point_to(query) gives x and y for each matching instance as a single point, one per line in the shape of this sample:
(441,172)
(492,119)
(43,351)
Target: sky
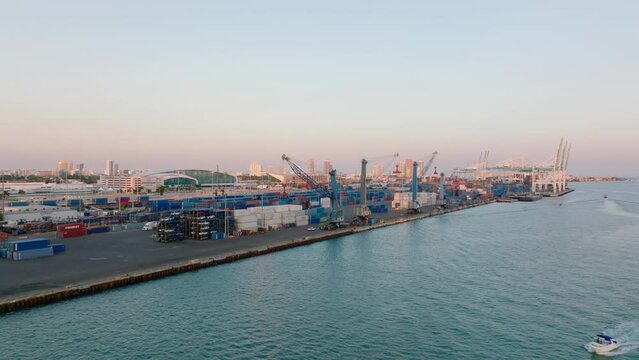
(199,84)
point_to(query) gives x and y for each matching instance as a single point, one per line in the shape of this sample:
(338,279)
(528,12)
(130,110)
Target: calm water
(505,281)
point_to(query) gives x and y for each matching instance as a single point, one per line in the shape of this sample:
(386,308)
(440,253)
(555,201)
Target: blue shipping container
(30,244)
(100,201)
(17,203)
(98,229)
(58,248)
(50,202)
(32,254)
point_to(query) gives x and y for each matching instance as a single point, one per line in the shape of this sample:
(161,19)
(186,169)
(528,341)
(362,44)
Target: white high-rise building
(327,167)
(310,167)
(378,170)
(108,170)
(255,169)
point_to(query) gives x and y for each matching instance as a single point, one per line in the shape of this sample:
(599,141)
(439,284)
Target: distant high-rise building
(378,170)
(408,168)
(108,170)
(271,169)
(64,167)
(255,169)
(80,169)
(282,169)
(310,166)
(327,167)
(116,169)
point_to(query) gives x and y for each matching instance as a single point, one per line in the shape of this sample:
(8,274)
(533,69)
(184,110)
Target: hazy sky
(177,84)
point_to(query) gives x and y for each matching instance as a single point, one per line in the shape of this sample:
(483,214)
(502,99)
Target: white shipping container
(247,226)
(325,202)
(265,223)
(245,219)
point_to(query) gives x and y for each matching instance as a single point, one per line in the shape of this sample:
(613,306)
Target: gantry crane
(337,215)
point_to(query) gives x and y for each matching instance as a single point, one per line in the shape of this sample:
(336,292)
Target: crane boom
(307,178)
(337,215)
(428,164)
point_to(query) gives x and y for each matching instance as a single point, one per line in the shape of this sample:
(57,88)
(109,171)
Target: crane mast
(363,211)
(414,204)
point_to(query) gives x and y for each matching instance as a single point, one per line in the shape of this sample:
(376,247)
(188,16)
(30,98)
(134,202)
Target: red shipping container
(71,233)
(71,227)
(3,236)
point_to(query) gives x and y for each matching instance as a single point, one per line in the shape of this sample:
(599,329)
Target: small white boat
(312,228)
(603,344)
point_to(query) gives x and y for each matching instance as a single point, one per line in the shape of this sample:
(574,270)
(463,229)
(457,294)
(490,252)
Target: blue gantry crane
(337,215)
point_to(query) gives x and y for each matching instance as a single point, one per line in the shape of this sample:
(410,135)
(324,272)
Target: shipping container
(17,203)
(74,202)
(100,201)
(50,202)
(98,229)
(65,234)
(67,227)
(32,254)
(29,244)
(58,248)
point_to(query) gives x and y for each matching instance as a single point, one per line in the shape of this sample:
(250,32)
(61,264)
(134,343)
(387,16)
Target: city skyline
(164,86)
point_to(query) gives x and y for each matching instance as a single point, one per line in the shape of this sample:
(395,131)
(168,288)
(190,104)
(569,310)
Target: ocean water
(503,281)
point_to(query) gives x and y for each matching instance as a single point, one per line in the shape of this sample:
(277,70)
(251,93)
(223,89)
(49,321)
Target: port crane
(428,164)
(363,212)
(337,215)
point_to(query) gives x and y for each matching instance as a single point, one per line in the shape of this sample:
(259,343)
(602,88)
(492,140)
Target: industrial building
(187,177)
(123,183)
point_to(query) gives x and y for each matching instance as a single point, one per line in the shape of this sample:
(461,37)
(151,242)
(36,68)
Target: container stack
(31,249)
(170,229)
(197,225)
(245,222)
(402,200)
(267,218)
(71,230)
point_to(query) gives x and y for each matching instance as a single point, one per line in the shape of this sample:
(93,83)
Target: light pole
(2,173)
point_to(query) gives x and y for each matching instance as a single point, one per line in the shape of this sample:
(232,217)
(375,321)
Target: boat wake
(612,207)
(627,334)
